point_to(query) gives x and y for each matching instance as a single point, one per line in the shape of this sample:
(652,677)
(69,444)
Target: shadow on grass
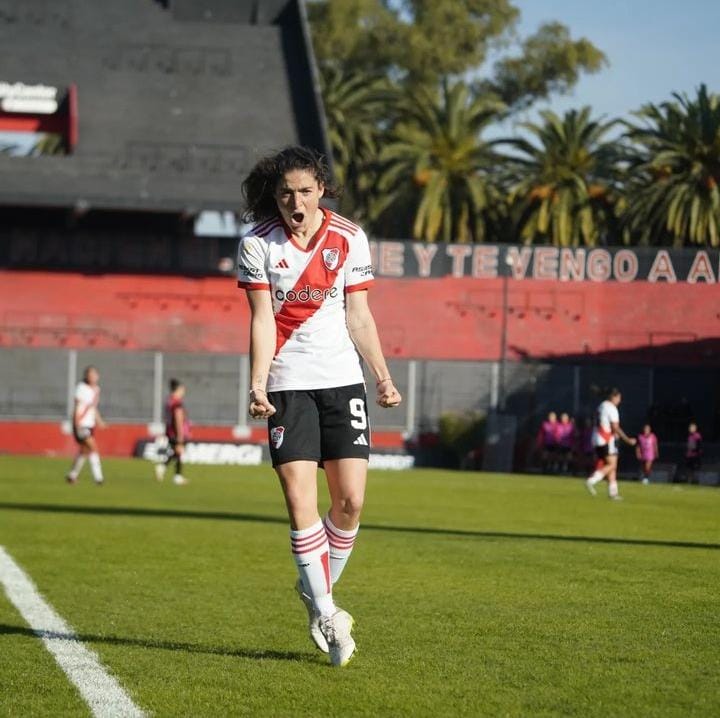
(258,655)
(259,518)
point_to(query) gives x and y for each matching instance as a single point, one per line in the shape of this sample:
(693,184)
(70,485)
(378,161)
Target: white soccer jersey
(308,286)
(87,398)
(607,415)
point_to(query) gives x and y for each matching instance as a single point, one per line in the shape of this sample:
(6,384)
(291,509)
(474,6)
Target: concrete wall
(37,386)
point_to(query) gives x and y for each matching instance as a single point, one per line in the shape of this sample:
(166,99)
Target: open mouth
(298,217)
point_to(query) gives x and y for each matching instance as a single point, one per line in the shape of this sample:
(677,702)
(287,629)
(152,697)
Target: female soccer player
(547,443)
(605,435)
(647,452)
(306,270)
(177,431)
(86,416)
(693,452)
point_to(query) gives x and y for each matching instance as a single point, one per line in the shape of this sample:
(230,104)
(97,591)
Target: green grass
(474,595)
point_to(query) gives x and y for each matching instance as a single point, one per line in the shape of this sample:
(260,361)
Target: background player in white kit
(606,432)
(85,418)
(306,271)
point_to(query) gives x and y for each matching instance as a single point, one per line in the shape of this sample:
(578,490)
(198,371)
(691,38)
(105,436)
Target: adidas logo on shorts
(361,441)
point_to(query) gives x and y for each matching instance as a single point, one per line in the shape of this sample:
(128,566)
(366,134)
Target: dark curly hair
(259,186)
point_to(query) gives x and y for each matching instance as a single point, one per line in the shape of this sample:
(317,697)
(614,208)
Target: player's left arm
(617,430)
(99,419)
(363,332)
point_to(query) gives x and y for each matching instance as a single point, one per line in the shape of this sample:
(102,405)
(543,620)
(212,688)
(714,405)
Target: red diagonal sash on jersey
(317,276)
(90,405)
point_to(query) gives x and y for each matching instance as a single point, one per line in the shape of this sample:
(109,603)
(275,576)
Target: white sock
(311,553)
(77,466)
(612,489)
(341,545)
(596,478)
(95,467)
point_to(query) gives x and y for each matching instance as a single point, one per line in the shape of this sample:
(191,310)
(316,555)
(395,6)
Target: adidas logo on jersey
(282,264)
(361,441)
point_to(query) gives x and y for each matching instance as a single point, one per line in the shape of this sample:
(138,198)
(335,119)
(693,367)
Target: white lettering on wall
(424,253)
(458,252)
(599,265)
(662,268)
(701,269)
(545,263)
(519,260)
(485,262)
(625,265)
(392,259)
(572,264)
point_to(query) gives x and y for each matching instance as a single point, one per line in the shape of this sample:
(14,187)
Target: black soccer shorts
(603,452)
(81,433)
(319,425)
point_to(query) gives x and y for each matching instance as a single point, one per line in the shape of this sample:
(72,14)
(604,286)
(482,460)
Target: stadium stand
(171,100)
(162,108)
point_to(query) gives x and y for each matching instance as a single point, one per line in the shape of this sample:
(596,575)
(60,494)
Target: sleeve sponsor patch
(247,272)
(365,270)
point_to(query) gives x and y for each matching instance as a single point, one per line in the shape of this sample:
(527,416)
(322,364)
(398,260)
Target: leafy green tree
(550,62)
(673,194)
(428,41)
(420,47)
(436,161)
(419,40)
(562,180)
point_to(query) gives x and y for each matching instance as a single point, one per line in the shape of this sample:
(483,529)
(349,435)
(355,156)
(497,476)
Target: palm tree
(562,187)
(675,171)
(354,104)
(437,165)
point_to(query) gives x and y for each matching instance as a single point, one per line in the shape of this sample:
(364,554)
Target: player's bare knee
(351,506)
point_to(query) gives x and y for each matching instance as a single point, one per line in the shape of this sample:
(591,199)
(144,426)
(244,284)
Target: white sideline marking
(103,694)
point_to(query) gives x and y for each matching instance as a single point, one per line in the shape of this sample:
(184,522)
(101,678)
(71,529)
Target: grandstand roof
(172,102)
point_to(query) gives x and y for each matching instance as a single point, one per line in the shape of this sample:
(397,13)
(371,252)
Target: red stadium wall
(420,318)
(47,438)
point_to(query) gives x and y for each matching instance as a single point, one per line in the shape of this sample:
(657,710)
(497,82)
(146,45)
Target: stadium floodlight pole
(506,272)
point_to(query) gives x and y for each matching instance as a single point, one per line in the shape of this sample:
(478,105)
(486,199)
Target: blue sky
(654,48)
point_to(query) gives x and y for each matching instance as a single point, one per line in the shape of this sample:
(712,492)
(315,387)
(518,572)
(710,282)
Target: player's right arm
(262,349)
(252,277)
(77,410)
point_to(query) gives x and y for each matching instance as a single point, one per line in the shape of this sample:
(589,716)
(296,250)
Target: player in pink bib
(647,452)
(565,435)
(693,452)
(547,443)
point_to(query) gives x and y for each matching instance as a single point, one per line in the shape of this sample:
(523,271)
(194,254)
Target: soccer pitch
(473,594)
